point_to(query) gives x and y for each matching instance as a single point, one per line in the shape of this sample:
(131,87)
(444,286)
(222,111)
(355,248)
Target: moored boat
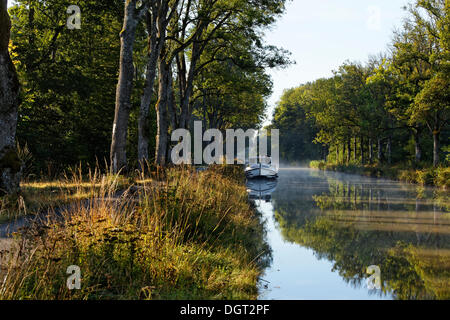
(261,167)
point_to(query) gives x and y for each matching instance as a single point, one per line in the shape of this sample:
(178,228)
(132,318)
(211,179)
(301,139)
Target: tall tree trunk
(363,160)
(344,151)
(370,151)
(380,150)
(172,112)
(162,136)
(349,150)
(355,144)
(144,114)
(337,153)
(389,150)
(124,86)
(171,107)
(157,23)
(418,150)
(10,164)
(436,147)
(185,110)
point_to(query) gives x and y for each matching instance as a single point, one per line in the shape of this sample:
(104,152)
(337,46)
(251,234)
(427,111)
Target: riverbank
(38,197)
(438,177)
(177,235)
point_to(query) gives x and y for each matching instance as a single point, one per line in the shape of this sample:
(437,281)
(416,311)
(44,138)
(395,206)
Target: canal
(325,229)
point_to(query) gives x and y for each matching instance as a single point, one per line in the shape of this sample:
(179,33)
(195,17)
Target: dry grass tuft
(177,235)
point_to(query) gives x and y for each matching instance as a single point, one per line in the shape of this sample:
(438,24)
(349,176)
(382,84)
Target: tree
(192,28)
(426,47)
(297,131)
(432,105)
(198,26)
(158,18)
(232,85)
(181,34)
(134,12)
(68,80)
(10,165)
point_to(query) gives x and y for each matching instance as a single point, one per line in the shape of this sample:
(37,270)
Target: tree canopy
(189,60)
(396,103)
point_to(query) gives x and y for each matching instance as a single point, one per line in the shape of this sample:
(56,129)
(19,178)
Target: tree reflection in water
(357,222)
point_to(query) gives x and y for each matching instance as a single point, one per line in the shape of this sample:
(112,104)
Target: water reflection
(351,222)
(261,188)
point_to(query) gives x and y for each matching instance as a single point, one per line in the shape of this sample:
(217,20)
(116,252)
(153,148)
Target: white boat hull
(261,172)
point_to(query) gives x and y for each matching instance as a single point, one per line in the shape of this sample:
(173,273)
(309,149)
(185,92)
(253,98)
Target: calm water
(325,229)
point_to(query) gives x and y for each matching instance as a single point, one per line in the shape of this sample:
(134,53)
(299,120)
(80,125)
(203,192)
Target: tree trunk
(171,107)
(355,144)
(370,151)
(10,164)
(344,152)
(124,88)
(172,112)
(349,151)
(389,150)
(156,27)
(363,160)
(162,138)
(380,150)
(144,114)
(337,154)
(436,147)
(418,151)
(185,112)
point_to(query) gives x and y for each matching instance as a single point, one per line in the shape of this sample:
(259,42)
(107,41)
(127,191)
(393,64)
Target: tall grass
(178,234)
(37,197)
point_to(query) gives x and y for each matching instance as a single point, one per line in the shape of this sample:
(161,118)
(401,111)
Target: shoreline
(430,177)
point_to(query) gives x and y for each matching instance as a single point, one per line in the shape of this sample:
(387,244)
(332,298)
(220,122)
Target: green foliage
(232,84)
(409,176)
(69,77)
(320,165)
(297,131)
(68,80)
(386,105)
(426,177)
(443,177)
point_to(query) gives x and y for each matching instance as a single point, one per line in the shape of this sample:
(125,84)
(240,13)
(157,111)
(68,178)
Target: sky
(322,34)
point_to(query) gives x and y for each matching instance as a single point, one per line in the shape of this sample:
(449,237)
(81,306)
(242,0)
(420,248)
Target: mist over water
(326,229)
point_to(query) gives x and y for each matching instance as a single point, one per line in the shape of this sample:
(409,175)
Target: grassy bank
(439,177)
(43,195)
(176,235)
